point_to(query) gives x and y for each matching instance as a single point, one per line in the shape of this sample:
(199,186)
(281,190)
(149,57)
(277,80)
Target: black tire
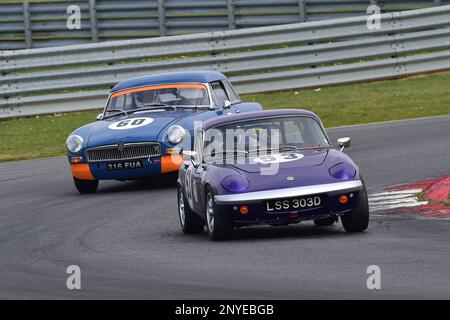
(358,219)
(221,227)
(86,186)
(326,222)
(191,223)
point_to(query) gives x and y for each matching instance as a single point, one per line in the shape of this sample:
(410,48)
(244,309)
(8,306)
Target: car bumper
(229,205)
(150,167)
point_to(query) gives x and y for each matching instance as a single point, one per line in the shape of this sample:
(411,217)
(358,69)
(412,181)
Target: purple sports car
(268,167)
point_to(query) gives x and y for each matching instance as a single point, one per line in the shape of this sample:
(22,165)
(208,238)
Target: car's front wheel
(219,227)
(86,186)
(189,221)
(358,219)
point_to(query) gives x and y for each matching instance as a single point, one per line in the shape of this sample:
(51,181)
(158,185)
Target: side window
(219,93)
(234,98)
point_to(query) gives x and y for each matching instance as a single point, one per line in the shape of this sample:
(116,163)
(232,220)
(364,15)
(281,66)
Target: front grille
(127,151)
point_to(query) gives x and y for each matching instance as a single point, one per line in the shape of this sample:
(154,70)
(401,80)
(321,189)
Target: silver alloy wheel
(181,211)
(210,212)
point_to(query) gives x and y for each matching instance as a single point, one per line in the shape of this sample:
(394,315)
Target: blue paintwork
(167,78)
(312,169)
(98,133)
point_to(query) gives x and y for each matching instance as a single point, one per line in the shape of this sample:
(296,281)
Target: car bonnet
(137,127)
(286,160)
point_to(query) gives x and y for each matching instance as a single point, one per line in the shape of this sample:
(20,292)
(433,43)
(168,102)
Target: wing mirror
(227,104)
(99,116)
(344,142)
(190,156)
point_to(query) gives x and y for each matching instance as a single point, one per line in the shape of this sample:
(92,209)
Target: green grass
(421,197)
(429,95)
(38,137)
(413,97)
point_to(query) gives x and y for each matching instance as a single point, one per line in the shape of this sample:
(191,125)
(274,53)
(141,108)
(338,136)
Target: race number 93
(279,158)
(130,123)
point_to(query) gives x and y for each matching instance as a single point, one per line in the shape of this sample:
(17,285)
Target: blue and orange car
(146,123)
(268,167)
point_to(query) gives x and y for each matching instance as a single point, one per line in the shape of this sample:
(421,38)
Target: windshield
(186,95)
(269,135)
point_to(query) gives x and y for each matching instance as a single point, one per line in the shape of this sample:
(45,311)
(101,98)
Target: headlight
(343,171)
(74,143)
(235,183)
(175,134)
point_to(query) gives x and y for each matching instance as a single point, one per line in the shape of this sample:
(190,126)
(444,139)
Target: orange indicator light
(76,159)
(343,199)
(244,210)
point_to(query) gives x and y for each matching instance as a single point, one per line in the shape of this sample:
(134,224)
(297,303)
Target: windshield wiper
(227,153)
(155,105)
(287,147)
(281,148)
(314,148)
(152,106)
(116,112)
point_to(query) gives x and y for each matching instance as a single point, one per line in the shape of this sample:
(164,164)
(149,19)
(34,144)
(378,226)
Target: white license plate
(124,165)
(294,204)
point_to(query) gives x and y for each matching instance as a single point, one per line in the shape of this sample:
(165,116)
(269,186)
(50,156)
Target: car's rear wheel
(358,219)
(190,222)
(219,227)
(326,222)
(86,186)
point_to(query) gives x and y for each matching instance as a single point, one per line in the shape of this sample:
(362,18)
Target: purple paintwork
(311,172)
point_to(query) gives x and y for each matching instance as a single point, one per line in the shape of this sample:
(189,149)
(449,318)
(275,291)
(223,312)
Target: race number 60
(130,123)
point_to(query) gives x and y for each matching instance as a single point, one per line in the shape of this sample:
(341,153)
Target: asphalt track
(127,242)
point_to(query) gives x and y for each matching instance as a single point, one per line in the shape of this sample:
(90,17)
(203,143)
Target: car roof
(166,78)
(217,121)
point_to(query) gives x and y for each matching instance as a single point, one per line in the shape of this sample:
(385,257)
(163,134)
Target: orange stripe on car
(171,163)
(81,171)
(162,86)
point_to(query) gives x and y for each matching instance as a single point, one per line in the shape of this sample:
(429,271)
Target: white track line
(387,193)
(395,199)
(398,201)
(394,206)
